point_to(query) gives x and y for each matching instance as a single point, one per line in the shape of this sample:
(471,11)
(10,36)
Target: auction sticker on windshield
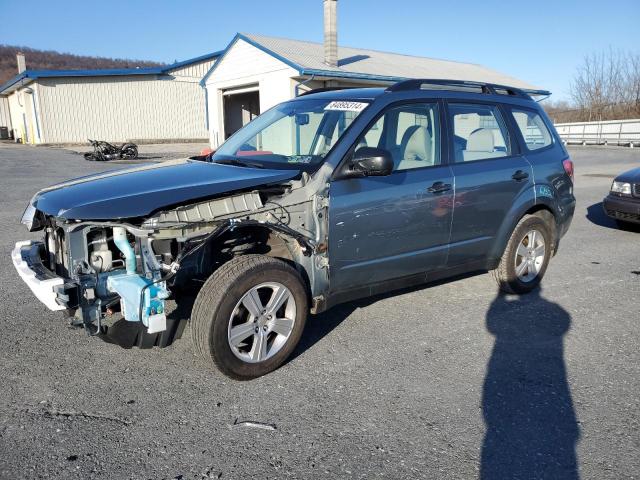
(346,106)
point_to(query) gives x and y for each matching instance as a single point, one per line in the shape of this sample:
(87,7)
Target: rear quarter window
(534,131)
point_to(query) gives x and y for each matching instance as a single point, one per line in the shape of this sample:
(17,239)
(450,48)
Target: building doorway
(240,107)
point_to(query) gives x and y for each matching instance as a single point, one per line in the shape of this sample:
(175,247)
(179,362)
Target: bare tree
(606,87)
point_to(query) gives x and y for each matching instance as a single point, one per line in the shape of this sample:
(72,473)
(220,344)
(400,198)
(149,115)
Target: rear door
(383,228)
(490,173)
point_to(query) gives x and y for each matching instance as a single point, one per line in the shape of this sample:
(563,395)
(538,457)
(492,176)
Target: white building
(143,104)
(208,97)
(5,118)
(257,72)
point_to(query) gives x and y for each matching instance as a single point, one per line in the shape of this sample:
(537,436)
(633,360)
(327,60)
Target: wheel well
(256,240)
(546,214)
(539,210)
(253,239)
(245,240)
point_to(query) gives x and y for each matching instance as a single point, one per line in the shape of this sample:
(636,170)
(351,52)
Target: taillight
(568,167)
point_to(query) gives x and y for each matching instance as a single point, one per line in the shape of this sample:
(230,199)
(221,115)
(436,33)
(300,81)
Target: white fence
(610,132)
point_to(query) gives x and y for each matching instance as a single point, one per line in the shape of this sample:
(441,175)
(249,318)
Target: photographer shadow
(531,425)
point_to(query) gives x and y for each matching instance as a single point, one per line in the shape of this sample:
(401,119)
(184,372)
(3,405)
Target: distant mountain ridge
(52,60)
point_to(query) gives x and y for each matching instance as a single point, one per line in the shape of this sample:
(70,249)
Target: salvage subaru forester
(332,196)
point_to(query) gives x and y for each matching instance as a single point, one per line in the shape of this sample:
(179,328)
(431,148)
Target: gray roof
(376,65)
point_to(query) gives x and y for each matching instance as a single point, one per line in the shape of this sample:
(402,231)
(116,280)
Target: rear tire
(525,260)
(264,340)
(129,151)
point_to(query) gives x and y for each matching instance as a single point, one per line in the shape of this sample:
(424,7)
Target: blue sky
(541,42)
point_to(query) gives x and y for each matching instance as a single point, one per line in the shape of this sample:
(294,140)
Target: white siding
(243,65)
(193,72)
(25,113)
(5,116)
(16,110)
(120,109)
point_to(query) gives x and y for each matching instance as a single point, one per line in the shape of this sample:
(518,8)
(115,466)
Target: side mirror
(371,162)
(302,118)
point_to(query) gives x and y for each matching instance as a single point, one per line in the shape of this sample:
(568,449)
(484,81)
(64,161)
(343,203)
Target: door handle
(520,175)
(439,187)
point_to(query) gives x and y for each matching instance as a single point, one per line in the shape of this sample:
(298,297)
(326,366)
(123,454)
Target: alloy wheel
(530,256)
(261,322)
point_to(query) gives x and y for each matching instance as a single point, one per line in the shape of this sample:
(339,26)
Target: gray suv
(330,197)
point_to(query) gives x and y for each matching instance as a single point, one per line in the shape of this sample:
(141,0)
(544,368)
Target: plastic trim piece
(26,260)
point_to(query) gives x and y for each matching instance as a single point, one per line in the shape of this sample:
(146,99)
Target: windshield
(293,134)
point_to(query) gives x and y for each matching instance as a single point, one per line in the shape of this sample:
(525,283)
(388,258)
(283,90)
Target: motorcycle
(103,151)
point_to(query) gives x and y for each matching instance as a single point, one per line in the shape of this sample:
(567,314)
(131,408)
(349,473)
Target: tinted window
(534,131)
(295,133)
(479,132)
(411,133)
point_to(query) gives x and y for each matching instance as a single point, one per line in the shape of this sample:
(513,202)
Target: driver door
(384,228)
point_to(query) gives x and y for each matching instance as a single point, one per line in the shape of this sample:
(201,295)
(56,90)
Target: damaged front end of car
(92,269)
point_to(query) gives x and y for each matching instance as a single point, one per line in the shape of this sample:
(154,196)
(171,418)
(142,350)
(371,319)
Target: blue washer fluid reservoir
(129,286)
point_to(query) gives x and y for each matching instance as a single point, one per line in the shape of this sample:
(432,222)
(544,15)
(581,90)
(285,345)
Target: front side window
(479,132)
(291,135)
(411,133)
(534,131)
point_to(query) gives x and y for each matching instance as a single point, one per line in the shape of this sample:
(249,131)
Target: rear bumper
(566,216)
(622,208)
(45,285)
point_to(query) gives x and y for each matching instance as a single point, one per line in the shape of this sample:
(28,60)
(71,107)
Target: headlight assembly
(32,218)
(621,187)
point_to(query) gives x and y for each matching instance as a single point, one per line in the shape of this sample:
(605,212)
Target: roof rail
(489,88)
(323,89)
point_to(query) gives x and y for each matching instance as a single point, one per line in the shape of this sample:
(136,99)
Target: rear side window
(479,132)
(534,131)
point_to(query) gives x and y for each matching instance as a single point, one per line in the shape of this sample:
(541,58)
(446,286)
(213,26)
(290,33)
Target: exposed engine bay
(133,266)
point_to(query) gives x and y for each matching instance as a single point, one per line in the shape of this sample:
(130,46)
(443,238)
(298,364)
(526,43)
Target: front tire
(249,316)
(525,260)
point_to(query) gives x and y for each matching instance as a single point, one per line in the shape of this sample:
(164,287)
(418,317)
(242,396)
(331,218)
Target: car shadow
(133,334)
(596,215)
(531,425)
(320,325)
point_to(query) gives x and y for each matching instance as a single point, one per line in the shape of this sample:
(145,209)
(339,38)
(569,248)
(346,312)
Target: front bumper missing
(45,285)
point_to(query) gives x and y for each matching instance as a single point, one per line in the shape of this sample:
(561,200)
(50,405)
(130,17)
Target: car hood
(139,191)
(630,176)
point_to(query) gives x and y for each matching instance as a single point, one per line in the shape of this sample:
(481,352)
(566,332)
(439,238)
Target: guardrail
(609,132)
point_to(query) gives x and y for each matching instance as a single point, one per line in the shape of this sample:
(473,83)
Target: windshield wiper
(238,163)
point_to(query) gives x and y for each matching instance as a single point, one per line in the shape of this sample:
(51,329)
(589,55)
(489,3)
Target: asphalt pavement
(449,381)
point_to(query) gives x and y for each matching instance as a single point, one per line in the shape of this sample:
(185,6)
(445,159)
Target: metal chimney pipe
(22,63)
(331,32)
